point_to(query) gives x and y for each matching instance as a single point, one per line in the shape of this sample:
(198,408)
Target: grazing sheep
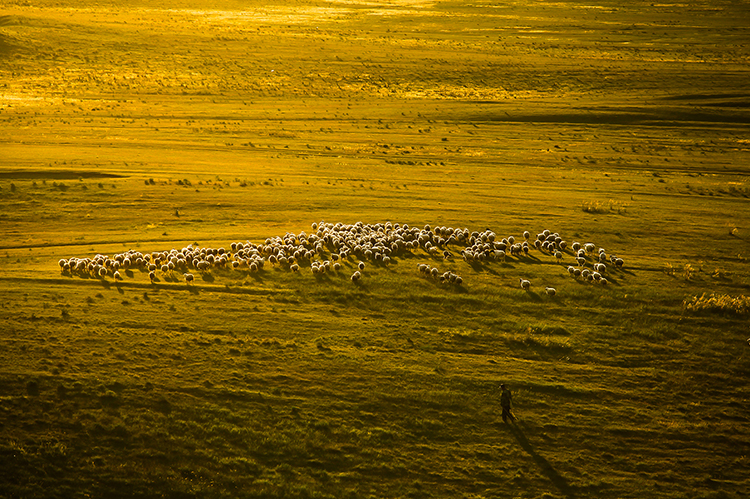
(525,284)
(581,261)
(558,256)
(117,275)
(550,291)
(361,265)
(189,278)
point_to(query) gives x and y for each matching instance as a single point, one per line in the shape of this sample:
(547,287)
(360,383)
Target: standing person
(505,402)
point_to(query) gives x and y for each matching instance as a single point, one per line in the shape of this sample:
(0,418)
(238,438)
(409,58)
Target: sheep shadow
(534,295)
(256,276)
(207,277)
(546,468)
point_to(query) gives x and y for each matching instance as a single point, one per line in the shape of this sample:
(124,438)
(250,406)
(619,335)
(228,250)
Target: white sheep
(525,284)
(189,278)
(550,291)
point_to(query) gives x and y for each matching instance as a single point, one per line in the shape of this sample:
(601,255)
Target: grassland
(151,128)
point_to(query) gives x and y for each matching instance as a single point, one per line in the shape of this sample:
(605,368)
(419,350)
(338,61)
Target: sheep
(361,265)
(558,256)
(525,284)
(526,235)
(294,267)
(581,261)
(600,267)
(356,276)
(189,278)
(550,291)
(117,275)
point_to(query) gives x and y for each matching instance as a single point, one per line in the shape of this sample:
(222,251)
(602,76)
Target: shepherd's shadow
(547,469)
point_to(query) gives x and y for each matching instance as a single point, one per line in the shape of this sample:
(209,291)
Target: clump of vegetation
(737,305)
(601,207)
(689,271)
(668,269)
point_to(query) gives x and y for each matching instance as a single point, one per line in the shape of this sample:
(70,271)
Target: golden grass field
(150,126)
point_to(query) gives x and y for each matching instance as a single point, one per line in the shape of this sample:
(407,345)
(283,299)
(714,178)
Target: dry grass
(722,303)
(150,127)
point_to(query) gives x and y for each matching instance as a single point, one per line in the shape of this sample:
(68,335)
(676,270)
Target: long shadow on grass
(550,472)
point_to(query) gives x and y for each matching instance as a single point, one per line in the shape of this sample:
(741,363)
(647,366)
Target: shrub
(737,305)
(600,207)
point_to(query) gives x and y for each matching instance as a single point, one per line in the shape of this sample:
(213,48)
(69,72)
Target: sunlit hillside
(292,249)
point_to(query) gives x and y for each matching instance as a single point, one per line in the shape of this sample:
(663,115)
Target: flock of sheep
(329,246)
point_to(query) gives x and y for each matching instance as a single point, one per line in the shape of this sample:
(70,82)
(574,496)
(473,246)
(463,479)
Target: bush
(737,305)
(601,207)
